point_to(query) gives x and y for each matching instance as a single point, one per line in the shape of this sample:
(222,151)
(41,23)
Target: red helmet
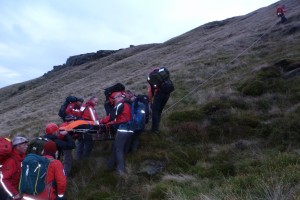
(113,95)
(51,128)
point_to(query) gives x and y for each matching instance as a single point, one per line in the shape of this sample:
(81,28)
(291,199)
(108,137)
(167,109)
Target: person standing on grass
(55,180)
(119,118)
(159,89)
(64,144)
(85,142)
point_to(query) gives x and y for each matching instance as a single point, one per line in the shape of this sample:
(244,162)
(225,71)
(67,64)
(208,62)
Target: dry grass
(214,138)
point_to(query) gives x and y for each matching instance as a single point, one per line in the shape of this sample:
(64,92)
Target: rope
(213,75)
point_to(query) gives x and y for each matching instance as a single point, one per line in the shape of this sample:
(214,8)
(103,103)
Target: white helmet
(18,140)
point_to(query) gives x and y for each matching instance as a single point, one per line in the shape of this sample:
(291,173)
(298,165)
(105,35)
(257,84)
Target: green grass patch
(267,79)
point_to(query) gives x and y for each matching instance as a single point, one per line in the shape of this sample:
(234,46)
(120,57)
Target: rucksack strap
(52,183)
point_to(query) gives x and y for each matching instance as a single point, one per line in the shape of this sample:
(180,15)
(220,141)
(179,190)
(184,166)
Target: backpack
(5,149)
(160,77)
(119,87)
(34,171)
(138,118)
(63,107)
(167,86)
(36,146)
(145,100)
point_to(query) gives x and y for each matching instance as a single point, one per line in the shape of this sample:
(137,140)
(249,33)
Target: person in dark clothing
(67,153)
(52,133)
(119,117)
(157,102)
(159,89)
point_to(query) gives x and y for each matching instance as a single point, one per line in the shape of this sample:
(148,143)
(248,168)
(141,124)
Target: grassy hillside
(229,131)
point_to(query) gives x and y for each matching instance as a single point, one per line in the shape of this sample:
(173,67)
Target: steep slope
(218,52)
(231,130)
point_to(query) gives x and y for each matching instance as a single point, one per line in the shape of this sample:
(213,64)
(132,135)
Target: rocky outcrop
(83,58)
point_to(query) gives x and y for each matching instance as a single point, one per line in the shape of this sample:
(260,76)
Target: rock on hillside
(207,59)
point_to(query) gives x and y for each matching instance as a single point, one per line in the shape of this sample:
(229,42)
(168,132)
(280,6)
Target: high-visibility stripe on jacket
(11,172)
(121,113)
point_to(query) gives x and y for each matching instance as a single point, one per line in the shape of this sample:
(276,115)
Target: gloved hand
(17,197)
(63,132)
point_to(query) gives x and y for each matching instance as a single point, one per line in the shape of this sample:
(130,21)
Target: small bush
(294,89)
(189,133)
(268,72)
(159,191)
(263,105)
(215,170)
(252,88)
(181,159)
(266,80)
(186,116)
(229,127)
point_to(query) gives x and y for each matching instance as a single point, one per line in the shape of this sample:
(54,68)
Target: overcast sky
(36,35)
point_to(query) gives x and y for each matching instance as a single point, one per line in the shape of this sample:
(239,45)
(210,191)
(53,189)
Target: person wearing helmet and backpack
(11,169)
(55,173)
(63,141)
(55,179)
(119,118)
(159,89)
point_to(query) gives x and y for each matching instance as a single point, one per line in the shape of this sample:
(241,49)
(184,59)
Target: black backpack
(119,87)
(160,77)
(63,107)
(36,145)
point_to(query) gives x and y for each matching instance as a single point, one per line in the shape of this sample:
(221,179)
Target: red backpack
(5,149)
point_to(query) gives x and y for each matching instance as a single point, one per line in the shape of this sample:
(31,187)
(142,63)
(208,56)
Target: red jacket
(121,113)
(73,109)
(89,112)
(11,172)
(55,173)
(280,11)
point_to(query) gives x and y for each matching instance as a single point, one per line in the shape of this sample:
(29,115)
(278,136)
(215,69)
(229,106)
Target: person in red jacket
(11,169)
(55,174)
(119,118)
(280,13)
(89,111)
(74,108)
(85,142)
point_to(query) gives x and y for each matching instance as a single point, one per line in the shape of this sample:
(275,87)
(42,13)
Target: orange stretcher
(86,127)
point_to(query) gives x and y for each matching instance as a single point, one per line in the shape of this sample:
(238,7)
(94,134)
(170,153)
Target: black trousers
(159,102)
